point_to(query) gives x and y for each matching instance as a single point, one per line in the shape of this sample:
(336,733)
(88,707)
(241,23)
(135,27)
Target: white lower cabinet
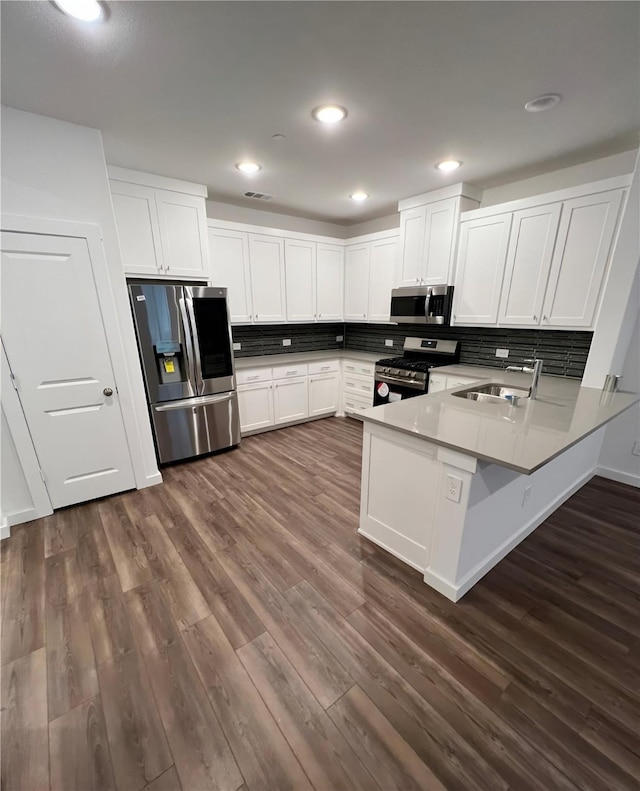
(255,402)
(324,394)
(290,400)
(439,382)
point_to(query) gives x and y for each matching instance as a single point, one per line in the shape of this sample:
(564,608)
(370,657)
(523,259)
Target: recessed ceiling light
(447,165)
(84,10)
(358,197)
(249,167)
(329,113)
(541,103)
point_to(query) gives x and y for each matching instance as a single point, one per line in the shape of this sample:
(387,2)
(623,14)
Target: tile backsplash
(564,352)
(267,338)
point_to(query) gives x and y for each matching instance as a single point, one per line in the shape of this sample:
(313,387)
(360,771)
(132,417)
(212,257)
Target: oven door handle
(410,383)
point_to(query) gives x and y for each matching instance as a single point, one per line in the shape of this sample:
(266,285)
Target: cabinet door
(136,215)
(183,231)
(481,262)
(291,400)
(382,270)
(410,269)
(256,406)
(330,282)
(585,237)
(229,255)
(266,262)
(533,235)
(324,394)
(440,227)
(300,278)
(356,282)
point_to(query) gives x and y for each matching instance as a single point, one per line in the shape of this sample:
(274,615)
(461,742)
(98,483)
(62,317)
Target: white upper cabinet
(266,263)
(584,242)
(183,232)
(329,282)
(356,282)
(300,278)
(382,269)
(138,231)
(412,224)
(429,234)
(441,227)
(162,225)
(533,234)
(229,266)
(559,245)
(481,263)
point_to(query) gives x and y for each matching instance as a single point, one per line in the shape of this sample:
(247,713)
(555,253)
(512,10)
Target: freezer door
(195,426)
(164,341)
(212,344)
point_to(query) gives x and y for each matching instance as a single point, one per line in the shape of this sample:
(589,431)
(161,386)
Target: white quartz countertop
(302,357)
(521,438)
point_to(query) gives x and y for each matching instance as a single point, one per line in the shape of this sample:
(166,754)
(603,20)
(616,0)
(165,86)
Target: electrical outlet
(526,495)
(237,347)
(504,353)
(286,341)
(388,342)
(636,448)
(339,338)
(454,488)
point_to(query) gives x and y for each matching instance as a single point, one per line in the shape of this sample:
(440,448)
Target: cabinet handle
(251,378)
(535,318)
(544,318)
(256,316)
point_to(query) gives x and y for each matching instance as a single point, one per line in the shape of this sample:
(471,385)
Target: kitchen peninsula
(451,485)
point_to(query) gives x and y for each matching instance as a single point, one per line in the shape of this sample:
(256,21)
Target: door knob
(108,391)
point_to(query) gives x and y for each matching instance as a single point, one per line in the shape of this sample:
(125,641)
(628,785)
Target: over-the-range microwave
(422,305)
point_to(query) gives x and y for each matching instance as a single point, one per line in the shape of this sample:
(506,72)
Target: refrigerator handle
(196,345)
(188,345)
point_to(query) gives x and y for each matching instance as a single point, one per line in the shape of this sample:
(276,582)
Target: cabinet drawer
(325,367)
(250,375)
(357,367)
(356,403)
(289,371)
(358,385)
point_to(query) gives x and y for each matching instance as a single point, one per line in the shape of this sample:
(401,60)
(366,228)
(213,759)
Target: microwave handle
(427,303)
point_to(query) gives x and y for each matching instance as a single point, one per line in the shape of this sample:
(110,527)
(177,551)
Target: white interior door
(56,347)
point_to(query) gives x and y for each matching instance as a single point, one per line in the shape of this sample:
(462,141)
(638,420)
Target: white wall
(14,490)
(607,167)
(54,170)
(616,459)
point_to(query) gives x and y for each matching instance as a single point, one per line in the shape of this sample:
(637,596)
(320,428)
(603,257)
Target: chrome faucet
(536,371)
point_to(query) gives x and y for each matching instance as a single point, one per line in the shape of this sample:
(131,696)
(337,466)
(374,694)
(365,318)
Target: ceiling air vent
(258,195)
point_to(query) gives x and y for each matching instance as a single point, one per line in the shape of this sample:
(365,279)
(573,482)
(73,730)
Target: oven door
(389,389)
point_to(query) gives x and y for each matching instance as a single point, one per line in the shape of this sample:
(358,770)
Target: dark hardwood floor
(230,630)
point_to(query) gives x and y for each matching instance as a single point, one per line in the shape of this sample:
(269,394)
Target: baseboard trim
(619,476)
(151,480)
(455,592)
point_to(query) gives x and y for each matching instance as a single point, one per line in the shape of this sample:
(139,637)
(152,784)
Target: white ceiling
(186,89)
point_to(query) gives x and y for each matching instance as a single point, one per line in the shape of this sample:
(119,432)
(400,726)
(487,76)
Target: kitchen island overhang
(451,487)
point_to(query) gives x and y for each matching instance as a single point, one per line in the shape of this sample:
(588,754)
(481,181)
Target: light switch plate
(504,353)
(636,448)
(339,338)
(388,342)
(286,341)
(237,347)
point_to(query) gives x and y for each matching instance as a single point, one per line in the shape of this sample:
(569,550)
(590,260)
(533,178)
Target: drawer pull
(251,378)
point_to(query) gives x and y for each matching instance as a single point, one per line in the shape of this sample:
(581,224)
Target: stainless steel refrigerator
(184,339)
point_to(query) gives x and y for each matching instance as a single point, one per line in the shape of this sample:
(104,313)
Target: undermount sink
(493,393)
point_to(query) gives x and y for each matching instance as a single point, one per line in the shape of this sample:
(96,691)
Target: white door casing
(57,349)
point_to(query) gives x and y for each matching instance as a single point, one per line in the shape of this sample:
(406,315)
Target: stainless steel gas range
(408,376)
